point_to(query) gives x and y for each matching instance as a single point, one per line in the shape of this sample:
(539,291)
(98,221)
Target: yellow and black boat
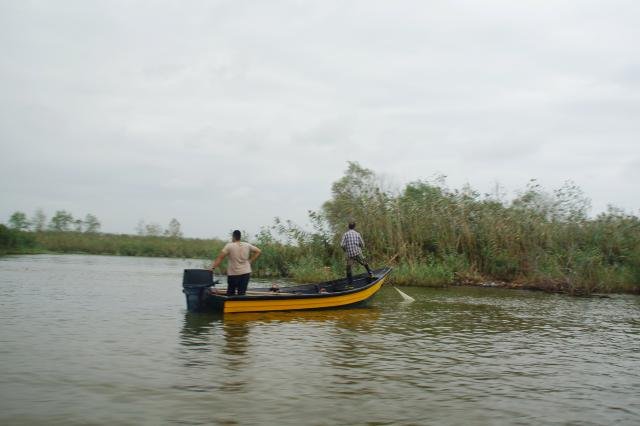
(199,288)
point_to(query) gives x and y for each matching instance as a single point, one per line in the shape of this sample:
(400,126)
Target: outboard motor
(194,283)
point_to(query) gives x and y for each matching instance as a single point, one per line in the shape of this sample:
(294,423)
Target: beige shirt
(238,253)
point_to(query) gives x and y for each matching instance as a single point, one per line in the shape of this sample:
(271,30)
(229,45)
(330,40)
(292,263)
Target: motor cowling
(194,284)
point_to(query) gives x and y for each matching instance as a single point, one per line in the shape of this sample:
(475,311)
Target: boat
(199,287)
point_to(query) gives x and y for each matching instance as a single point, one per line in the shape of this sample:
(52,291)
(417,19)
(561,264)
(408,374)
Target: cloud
(226,114)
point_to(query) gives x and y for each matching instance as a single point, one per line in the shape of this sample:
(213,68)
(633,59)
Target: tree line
(64,221)
(61,221)
(439,236)
(155,230)
(64,233)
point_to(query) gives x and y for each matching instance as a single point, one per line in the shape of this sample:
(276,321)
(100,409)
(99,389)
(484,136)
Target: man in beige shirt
(241,256)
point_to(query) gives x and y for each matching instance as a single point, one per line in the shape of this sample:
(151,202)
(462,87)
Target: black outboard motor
(194,283)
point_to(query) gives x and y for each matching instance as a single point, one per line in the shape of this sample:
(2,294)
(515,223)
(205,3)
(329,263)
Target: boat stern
(194,284)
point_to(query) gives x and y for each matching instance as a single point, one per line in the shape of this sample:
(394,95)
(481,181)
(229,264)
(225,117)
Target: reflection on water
(202,330)
(110,342)
(197,327)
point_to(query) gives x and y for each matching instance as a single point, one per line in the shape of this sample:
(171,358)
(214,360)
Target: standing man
(241,256)
(352,244)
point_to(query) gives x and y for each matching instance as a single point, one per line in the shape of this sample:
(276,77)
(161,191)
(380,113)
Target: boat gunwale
(278,296)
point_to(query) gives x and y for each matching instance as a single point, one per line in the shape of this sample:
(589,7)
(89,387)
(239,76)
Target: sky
(226,114)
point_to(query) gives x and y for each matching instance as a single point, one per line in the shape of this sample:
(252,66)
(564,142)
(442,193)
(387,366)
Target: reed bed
(442,237)
(437,237)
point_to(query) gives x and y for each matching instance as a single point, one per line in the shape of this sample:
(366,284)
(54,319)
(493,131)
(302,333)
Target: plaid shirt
(352,243)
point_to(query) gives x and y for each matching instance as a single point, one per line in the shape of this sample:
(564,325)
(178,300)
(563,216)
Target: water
(107,340)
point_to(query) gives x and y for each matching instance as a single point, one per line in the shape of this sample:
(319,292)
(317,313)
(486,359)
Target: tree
(77,225)
(39,220)
(92,224)
(61,221)
(19,222)
(534,199)
(350,196)
(570,204)
(140,227)
(153,230)
(173,231)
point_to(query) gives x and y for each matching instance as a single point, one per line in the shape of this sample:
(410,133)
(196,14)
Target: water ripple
(101,340)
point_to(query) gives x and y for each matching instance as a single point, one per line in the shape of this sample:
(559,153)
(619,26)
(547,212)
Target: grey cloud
(225,114)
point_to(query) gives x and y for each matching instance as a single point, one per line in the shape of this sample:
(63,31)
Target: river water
(107,340)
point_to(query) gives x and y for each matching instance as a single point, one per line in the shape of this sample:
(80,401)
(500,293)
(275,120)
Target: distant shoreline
(556,288)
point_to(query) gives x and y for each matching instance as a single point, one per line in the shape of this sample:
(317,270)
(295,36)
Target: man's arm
(361,242)
(218,261)
(256,254)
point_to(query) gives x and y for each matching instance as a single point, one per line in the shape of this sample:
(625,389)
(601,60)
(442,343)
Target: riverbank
(438,236)
(277,260)
(303,262)
(302,270)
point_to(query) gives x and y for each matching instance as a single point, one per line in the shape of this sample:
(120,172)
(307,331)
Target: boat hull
(365,289)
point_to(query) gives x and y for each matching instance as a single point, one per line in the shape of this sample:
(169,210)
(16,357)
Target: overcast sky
(224,114)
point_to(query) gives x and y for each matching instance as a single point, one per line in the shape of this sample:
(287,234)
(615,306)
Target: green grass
(126,245)
(423,274)
(310,269)
(17,242)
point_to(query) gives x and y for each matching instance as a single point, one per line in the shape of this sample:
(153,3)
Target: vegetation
(442,236)
(126,245)
(438,237)
(19,221)
(15,241)
(66,234)
(155,229)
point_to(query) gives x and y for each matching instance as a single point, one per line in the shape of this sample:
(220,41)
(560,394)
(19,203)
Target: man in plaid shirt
(352,244)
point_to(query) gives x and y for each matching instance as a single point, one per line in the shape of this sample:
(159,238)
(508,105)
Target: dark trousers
(237,284)
(351,260)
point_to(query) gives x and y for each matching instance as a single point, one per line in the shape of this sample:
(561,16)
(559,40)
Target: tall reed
(537,239)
